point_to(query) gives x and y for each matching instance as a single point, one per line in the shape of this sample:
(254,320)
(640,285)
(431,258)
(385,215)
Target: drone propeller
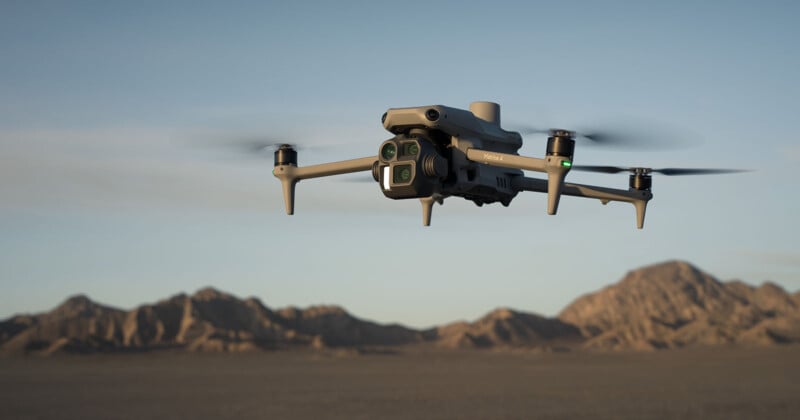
(697,171)
(602,138)
(636,138)
(663,171)
(255,145)
(260,147)
(242,145)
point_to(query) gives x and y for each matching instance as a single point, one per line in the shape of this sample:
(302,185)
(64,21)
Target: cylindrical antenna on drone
(487,111)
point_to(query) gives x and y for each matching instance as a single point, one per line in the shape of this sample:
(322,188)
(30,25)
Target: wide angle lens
(402,174)
(388,151)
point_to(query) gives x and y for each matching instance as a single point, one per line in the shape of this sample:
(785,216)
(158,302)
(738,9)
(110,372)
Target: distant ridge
(667,305)
(506,328)
(208,320)
(674,304)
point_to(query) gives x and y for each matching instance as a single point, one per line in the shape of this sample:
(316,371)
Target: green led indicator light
(566,164)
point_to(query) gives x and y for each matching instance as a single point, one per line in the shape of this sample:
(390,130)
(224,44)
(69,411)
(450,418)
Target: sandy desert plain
(702,383)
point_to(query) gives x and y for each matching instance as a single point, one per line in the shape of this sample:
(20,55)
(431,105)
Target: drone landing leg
(555,184)
(427,209)
(288,194)
(640,208)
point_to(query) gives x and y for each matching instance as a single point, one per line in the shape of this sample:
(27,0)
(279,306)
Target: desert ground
(721,382)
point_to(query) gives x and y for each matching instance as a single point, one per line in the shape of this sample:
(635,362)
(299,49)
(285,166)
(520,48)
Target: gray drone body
(439,152)
(442,167)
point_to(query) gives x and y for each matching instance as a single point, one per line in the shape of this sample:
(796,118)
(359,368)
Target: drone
(439,152)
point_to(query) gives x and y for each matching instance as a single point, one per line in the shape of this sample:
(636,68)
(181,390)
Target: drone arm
(290,174)
(506,160)
(638,198)
(556,168)
(334,168)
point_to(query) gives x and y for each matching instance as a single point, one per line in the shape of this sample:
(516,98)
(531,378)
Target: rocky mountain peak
(674,304)
(500,313)
(669,274)
(78,301)
(210,293)
(78,306)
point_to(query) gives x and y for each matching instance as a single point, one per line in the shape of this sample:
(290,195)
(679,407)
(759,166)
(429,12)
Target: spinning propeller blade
(697,171)
(601,169)
(627,137)
(663,171)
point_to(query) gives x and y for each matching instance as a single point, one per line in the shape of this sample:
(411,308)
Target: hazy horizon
(366,317)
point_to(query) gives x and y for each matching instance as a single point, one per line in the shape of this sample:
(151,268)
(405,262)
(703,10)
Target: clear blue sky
(102,191)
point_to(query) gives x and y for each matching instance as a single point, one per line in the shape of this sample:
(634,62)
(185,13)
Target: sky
(120,179)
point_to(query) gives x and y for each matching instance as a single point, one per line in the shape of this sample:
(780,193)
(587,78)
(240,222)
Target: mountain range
(667,305)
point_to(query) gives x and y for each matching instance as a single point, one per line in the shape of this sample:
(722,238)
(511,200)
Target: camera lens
(432,114)
(388,151)
(402,174)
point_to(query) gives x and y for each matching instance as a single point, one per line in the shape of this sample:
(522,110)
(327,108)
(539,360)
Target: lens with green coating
(412,149)
(388,151)
(402,174)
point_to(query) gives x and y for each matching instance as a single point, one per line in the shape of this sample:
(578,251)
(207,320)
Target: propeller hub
(561,143)
(640,181)
(285,155)
(559,132)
